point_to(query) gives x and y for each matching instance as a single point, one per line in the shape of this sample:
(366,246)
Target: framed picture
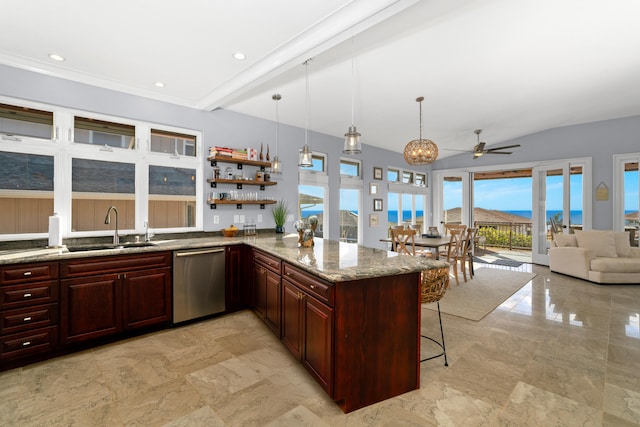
(377,173)
(373,188)
(377,204)
(374,220)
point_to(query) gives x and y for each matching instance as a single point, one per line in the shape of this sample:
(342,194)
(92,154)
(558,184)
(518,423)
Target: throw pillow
(565,240)
(623,245)
(601,242)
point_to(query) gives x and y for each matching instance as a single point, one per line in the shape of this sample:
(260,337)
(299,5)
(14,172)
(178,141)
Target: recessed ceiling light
(56,57)
(159,84)
(239,56)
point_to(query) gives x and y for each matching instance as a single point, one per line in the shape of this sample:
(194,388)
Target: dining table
(434,243)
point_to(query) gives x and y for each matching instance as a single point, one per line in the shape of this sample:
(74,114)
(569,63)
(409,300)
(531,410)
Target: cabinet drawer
(21,273)
(28,343)
(271,262)
(23,319)
(316,287)
(114,264)
(15,296)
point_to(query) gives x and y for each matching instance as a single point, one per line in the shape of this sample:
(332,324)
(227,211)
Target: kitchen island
(350,314)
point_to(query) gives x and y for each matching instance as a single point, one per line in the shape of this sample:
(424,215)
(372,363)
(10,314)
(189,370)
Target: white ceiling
(509,67)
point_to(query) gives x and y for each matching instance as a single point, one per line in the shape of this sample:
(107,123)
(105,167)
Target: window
(319,164)
(172,197)
(350,168)
(172,143)
(393,175)
(23,121)
(104,133)
(26,192)
(407,177)
(626,197)
(420,179)
(96,185)
(350,201)
(95,163)
(406,209)
(311,202)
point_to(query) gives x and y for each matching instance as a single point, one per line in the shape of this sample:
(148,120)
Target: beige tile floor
(560,352)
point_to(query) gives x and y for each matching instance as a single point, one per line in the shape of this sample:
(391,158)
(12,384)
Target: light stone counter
(331,260)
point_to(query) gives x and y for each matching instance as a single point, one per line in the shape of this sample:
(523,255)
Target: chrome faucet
(147,234)
(107,220)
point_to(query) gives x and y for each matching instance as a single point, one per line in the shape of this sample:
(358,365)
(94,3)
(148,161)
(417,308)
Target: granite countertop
(329,259)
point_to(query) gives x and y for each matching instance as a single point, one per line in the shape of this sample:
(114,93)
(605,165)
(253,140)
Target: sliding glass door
(561,203)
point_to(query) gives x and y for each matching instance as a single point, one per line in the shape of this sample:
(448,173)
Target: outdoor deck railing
(512,235)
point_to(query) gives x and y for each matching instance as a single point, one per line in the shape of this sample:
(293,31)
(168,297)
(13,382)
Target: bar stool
(434,285)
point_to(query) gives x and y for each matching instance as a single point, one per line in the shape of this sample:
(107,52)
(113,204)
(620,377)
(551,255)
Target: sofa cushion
(623,245)
(565,240)
(615,265)
(601,242)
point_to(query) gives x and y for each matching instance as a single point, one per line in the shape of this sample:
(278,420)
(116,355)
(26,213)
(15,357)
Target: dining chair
(468,250)
(403,242)
(455,250)
(448,228)
(434,284)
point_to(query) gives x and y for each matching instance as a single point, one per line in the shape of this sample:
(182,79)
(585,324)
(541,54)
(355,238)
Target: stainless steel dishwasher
(198,283)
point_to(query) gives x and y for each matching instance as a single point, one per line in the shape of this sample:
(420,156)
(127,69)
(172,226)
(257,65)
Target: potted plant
(280,212)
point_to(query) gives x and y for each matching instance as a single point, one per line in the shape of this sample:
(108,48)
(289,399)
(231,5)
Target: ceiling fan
(479,149)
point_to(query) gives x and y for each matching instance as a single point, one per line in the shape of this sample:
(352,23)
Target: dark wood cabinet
(307,323)
(28,310)
(91,307)
(266,289)
(134,292)
(238,294)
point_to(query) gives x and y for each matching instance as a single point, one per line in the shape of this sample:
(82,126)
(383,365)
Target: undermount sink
(101,247)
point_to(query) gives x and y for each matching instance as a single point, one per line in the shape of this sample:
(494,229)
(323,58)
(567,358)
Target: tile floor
(560,352)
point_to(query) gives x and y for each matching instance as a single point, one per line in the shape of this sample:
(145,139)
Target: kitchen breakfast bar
(350,314)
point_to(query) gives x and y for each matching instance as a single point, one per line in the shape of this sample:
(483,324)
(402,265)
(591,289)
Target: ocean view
(576,215)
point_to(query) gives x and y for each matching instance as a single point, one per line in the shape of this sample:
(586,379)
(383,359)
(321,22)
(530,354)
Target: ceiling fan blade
(504,147)
(479,147)
(497,152)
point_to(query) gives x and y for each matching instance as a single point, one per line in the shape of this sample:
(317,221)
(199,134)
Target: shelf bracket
(212,206)
(261,205)
(214,163)
(239,206)
(214,185)
(239,186)
(261,187)
(239,165)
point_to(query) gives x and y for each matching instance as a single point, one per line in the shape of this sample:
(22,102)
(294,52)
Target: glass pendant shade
(276,164)
(420,151)
(352,141)
(352,137)
(305,158)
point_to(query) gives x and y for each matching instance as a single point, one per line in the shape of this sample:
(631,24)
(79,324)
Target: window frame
(64,149)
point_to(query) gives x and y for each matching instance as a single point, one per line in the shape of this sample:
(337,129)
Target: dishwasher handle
(202,252)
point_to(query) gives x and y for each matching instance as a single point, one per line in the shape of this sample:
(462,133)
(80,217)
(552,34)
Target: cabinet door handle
(26,343)
(26,319)
(27,295)
(27,273)
(312,286)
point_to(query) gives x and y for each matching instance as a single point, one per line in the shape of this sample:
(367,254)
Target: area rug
(476,298)
(505,262)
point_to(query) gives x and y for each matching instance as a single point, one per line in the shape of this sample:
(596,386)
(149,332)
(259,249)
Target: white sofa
(597,256)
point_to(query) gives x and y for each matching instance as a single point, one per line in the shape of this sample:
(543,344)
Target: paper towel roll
(55,231)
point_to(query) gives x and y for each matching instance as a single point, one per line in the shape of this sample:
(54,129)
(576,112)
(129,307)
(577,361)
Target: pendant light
(305,158)
(352,137)
(420,151)
(276,165)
